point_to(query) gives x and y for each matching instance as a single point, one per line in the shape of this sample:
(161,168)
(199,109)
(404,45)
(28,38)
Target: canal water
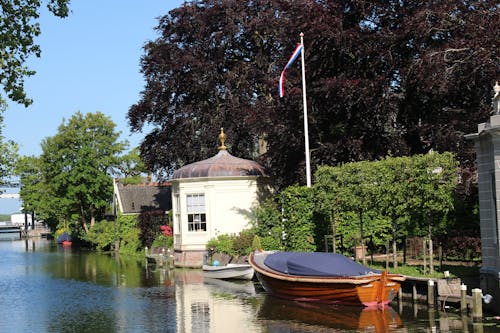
(48,288)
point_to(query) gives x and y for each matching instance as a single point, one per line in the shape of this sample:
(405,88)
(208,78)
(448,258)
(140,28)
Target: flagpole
(306,131)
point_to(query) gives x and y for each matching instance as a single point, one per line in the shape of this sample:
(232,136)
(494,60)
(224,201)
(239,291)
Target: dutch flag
(295,54)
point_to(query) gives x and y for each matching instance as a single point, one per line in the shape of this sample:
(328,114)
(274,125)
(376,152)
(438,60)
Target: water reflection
(312,317)
(209,305)
(47,288)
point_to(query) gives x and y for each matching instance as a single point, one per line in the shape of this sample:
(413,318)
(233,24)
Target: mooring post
(463,298)
(414,292)
(430,292)
(477,304)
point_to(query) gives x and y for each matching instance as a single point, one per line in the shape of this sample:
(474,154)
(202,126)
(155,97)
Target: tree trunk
(431,251)
(361,231)
(394,245)
(334,233)
(425,255)
(85,226)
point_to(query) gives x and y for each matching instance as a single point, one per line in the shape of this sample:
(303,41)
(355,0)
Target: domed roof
(221,165)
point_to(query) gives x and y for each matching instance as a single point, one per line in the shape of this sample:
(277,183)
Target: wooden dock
(442,292)
(160,257)
(10,232)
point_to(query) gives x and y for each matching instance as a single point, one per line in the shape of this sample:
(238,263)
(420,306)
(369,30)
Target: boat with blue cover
(323,277)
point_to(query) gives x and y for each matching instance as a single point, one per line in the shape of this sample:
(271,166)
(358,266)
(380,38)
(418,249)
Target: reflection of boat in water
(323,277)
(237,287)
(310,317)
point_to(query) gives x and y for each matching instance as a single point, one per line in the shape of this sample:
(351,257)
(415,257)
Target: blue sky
(90,62)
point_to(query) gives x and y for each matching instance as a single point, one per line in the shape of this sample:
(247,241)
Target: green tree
(122,234)
(131,164)
(435,177)
(18,29)
(393,175)
(300,230)
(351,187)
(71,182)
(8,156)
(268,224)
(36,194)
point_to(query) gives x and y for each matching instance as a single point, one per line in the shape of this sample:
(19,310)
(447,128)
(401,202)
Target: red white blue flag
(295,54)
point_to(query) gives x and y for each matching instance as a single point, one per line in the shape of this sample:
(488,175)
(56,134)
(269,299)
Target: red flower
(166,230)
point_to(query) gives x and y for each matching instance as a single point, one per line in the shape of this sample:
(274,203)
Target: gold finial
(222,138)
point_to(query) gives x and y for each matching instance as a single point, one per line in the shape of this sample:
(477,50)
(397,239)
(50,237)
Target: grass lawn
(460,270)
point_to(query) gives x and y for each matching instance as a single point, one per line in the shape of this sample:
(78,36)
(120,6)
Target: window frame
(196,212)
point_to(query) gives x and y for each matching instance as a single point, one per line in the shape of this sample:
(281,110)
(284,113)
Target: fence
(462,248)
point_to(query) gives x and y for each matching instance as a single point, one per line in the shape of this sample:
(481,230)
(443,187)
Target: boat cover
(316,264)
(64,237)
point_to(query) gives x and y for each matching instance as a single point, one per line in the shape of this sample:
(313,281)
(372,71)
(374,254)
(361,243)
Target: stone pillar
(487,144)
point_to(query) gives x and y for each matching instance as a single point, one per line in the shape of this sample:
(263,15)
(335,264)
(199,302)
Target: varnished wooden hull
(368,290)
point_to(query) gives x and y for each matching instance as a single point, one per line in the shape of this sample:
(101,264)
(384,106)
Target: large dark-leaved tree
(383,77)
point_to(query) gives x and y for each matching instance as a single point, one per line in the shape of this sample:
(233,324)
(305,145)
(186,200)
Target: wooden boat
(229,271)
(64,239)
(323,277)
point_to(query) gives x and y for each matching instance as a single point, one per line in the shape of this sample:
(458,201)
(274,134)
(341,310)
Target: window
(197,220)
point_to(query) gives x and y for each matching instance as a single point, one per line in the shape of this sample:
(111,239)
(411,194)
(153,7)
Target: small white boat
(229,271)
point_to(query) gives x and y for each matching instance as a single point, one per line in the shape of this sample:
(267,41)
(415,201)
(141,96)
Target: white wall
(228,204)
(18,219)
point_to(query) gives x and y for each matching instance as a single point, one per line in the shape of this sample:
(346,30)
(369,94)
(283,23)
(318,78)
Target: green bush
(129,242)
(222,244)
(297,204)
(101,235)
(268,225)
(271,243)
(242,243)
(163,241)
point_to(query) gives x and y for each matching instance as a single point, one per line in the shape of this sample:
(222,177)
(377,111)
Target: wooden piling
(414,292)
(463,298)
(430,292)
(477,304)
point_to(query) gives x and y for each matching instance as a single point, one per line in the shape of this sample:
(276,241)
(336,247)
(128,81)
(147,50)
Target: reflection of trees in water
(104,269)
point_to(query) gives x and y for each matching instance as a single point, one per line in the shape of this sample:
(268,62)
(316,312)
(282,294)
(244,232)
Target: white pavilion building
(212,197)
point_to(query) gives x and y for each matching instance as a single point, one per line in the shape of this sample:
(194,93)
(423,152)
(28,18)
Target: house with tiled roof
(144,196)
